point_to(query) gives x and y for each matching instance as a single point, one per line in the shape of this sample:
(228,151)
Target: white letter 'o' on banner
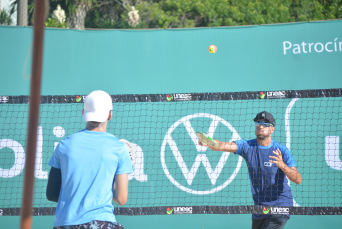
(19,158)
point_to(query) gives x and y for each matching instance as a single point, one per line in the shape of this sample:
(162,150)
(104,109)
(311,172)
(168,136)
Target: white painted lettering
(38,171)
(322,47)
(326,47)
(303,45)
(310,44)
(19,158)
(286,48)
(297,49)
(332,152)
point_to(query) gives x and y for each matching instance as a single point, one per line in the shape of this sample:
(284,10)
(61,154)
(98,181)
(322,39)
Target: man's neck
(264,142)
(101,128)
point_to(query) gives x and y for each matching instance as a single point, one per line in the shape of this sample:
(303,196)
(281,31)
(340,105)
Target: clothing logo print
(268,164)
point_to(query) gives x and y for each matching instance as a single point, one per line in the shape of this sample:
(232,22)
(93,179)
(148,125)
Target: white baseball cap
(97,106)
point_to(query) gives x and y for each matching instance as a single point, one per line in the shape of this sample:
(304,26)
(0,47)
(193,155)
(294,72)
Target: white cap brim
(95,117)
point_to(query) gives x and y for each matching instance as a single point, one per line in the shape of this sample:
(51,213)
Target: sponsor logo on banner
(169,97)
(276,210)
(266,210)
(182,97)
(280,211)
(169,211)
(78,98)
(182,210)
(201,158)
(4,99)
(262,95)
(276,94)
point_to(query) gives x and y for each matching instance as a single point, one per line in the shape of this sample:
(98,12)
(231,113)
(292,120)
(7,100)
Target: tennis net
(172,173)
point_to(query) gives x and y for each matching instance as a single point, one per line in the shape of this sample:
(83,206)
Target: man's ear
(273,128)
(110,116)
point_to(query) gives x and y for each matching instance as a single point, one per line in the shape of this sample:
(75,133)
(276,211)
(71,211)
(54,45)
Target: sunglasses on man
(264,124)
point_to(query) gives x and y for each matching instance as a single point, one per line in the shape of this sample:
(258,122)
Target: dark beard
(261,137)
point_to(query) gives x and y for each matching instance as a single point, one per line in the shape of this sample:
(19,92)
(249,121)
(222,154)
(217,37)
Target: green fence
(270,58)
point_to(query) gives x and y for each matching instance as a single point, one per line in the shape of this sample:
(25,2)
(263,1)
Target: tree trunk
(77,20)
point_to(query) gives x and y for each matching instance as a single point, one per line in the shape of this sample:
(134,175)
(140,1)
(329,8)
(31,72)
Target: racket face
(131,149)
(206,139)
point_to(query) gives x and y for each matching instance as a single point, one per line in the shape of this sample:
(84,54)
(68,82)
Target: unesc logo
(276,94)
(280,211)
(182,210)
(4,99)
(189,175)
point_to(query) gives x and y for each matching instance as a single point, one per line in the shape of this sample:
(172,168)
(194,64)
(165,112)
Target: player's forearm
(292,173)
(228,147)
(119,199)
(120,189)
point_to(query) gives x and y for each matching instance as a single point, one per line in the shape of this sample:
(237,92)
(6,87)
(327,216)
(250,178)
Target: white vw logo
(200,158)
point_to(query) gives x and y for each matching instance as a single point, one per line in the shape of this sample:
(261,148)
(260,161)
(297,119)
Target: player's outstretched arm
(223,146)
(120,189)
(54,184)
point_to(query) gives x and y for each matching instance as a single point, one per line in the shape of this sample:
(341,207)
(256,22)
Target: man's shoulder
(252,142)
(246,144)
(83,135)
(277,144)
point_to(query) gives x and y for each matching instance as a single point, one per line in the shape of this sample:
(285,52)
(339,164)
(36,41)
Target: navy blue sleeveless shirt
(269,184)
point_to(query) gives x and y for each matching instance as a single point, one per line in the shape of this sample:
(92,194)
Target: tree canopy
(120,14)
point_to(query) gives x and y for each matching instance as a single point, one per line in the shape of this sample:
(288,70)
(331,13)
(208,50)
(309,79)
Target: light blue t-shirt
(269,184)
(88,161)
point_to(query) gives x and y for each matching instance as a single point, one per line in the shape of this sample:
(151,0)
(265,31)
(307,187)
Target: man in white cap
(89,169)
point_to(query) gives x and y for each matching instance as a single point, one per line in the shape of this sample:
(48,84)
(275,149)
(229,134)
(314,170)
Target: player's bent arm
(120,189)
(54,184)
(292,173)
(223,146)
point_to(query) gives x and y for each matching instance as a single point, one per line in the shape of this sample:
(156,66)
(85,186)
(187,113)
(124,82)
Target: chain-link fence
(141,14)
(77,14)
(8,13)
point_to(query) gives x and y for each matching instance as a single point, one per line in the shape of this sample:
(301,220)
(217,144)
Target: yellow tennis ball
(212,48)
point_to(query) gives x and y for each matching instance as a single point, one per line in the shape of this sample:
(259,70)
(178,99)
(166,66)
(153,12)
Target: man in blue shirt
(89,169)
(270,165)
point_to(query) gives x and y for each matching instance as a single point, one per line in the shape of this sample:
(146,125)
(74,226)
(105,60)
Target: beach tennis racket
(207,140)
(131,149)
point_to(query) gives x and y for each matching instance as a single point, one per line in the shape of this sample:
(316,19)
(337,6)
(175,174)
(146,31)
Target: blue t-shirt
(269,184)
(88,161)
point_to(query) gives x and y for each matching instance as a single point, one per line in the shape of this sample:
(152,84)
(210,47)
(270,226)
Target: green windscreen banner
(293,56)
(166,86)
(173,174)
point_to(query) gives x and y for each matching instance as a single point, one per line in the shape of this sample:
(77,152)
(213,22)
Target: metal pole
(37,58)
(22,13)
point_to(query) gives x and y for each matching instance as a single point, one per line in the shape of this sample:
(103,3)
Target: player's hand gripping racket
(207,140)
(131,149)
